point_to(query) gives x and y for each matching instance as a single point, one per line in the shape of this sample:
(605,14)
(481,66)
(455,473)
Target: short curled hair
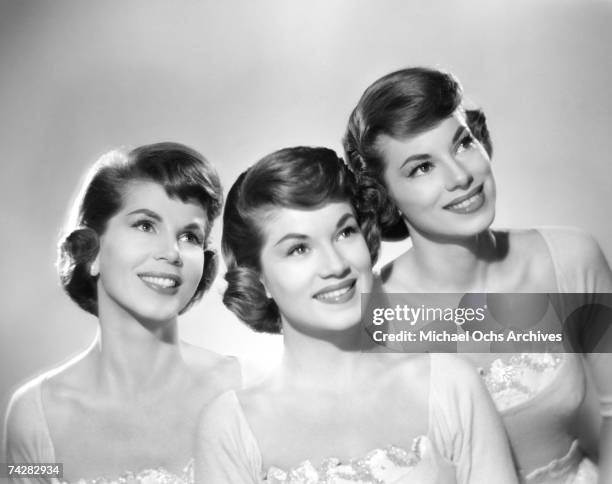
(183,173)
(402,104)
(302,178)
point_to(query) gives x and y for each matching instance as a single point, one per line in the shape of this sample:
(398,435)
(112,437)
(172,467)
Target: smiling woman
(424,161)
(160,244)
(299,250)
(318,280)
(135,255)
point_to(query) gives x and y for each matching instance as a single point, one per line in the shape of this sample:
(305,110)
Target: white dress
(29,441)
(463,427)
(539,395)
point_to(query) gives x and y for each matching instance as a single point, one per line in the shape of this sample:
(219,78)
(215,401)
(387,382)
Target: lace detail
(378,467)
(147,476)
(519,380)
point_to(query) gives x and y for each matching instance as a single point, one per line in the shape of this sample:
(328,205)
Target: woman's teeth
(465,203)
(335,294)
(471,202)
(160,281)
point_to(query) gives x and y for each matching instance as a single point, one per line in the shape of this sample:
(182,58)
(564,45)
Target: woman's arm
(601,364)
(594,278)
(225,449)
(27,438)
(598,331)
(475,439)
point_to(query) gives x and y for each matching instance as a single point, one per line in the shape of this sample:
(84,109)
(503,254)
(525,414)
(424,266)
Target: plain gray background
(237,79)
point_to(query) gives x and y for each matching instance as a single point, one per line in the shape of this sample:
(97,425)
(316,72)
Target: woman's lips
(467,203)
(161,282)
(338,293)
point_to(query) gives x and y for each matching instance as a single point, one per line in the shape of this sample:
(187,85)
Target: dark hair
(298,177)
(184,174)
(401,104)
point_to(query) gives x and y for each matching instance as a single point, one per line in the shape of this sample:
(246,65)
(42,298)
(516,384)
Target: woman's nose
(458,176)
(170,252)
(334,264)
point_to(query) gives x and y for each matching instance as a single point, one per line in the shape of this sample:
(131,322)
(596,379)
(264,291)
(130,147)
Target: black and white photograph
(202,200)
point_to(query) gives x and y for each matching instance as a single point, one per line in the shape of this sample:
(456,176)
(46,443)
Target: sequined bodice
(148,476)
(519,378)
(380,466)
(539,396)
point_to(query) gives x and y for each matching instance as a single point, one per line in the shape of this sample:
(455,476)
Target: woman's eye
(145,226)
(192,238)
(299,249)
(421,169)
(466,143)
(348,231)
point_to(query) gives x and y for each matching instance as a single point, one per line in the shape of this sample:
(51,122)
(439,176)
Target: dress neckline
(161,473)
(416,441)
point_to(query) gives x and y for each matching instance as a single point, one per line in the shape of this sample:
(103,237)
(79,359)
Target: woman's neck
(453,265)
(129,356)
(313,363)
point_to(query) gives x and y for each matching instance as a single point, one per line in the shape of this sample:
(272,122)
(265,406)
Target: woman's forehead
(276,221)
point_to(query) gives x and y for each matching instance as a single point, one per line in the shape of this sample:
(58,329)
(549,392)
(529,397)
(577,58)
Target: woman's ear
(211,265)
(94,266)
(262,279)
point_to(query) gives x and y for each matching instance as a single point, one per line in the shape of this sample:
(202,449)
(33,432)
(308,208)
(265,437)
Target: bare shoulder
(573,241)
(527,262)
(207,364)
(23,423)
(215,416)
(523,239)
(58,383)
(570,240)
(256,395)
(25,420)
(411,372)
(525,244)
(23,406)
(575,255)
(451,369)
(395,276)
(406,363)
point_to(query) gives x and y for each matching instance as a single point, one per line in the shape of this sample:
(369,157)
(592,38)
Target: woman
(135,256)
(299,256)
(423,161)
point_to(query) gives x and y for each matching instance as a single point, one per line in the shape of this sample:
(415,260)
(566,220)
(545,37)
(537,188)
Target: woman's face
(440,180)
(151,255)
(315,264)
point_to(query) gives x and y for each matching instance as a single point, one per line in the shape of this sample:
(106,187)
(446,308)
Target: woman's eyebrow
(194,226)
(342,220)
(458,134)
(146,211)
(291,236)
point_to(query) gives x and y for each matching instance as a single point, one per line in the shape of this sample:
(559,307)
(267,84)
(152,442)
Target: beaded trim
(147,476)
(364,470)
(507,379)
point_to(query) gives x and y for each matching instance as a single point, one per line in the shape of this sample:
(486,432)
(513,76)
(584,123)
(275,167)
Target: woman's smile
(162,283)
(338,293)
(468,203)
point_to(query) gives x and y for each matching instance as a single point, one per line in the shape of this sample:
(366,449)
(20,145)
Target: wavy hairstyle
(183,173)
(302,178)
(402,104)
